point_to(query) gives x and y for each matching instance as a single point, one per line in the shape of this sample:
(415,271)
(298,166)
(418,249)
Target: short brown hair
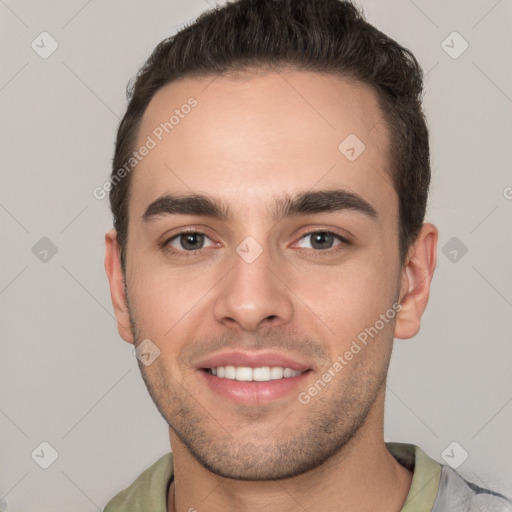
(329,36)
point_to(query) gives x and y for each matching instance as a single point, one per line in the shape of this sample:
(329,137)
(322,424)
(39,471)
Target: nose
(253,293)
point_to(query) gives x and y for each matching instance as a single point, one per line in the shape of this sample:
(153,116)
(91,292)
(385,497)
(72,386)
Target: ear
(417,274)
(116,282)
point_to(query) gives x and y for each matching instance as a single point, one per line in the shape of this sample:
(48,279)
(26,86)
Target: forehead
(251,137)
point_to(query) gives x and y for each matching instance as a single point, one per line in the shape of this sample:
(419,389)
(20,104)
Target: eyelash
(187,254)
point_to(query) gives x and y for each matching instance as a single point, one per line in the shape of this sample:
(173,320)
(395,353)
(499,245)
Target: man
(269,188)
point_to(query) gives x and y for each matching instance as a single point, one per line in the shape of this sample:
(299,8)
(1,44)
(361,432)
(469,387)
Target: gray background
(67,377)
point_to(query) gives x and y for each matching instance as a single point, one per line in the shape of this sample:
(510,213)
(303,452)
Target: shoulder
(458,494)
(148,491)
(436,487)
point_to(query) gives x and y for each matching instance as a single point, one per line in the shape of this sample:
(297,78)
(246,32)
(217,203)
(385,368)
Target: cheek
(166,300)
(347,299)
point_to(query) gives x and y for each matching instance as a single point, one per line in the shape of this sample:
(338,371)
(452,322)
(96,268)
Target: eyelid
(342,234)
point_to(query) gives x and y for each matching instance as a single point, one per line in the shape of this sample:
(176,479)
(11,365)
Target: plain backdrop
(67,379)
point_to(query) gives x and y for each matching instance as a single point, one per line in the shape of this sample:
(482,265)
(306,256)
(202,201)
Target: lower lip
(253,392)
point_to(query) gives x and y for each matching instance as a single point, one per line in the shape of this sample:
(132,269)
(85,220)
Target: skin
(249,139)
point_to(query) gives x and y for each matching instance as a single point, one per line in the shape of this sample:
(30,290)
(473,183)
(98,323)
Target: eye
(323,240)
(187,241)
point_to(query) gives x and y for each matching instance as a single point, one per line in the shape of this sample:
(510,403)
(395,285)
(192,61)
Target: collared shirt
(435,487)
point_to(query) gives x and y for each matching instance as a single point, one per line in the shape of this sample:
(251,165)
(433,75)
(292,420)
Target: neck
(362,476)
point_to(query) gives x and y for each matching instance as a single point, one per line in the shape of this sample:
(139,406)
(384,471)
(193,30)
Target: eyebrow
(304,203)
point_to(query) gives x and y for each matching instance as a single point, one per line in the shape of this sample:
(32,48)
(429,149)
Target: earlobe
(417,274)
(116,283)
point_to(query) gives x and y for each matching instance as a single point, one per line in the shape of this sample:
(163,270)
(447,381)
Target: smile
(248,374)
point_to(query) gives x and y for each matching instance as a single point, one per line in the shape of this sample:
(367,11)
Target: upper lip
(252,360)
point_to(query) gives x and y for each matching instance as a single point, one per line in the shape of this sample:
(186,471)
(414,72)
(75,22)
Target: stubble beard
(332,422)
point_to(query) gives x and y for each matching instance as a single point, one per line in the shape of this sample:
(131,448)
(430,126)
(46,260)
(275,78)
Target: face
(287,261)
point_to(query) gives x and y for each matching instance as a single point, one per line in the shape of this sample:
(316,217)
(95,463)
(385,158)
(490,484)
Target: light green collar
(149,490)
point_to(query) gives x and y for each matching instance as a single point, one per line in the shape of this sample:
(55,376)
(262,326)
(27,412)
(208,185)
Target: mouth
(254,378)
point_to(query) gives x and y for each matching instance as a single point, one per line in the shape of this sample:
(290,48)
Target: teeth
(230,372)
(243,373)
(276,373)
(288,372)
(261,374)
